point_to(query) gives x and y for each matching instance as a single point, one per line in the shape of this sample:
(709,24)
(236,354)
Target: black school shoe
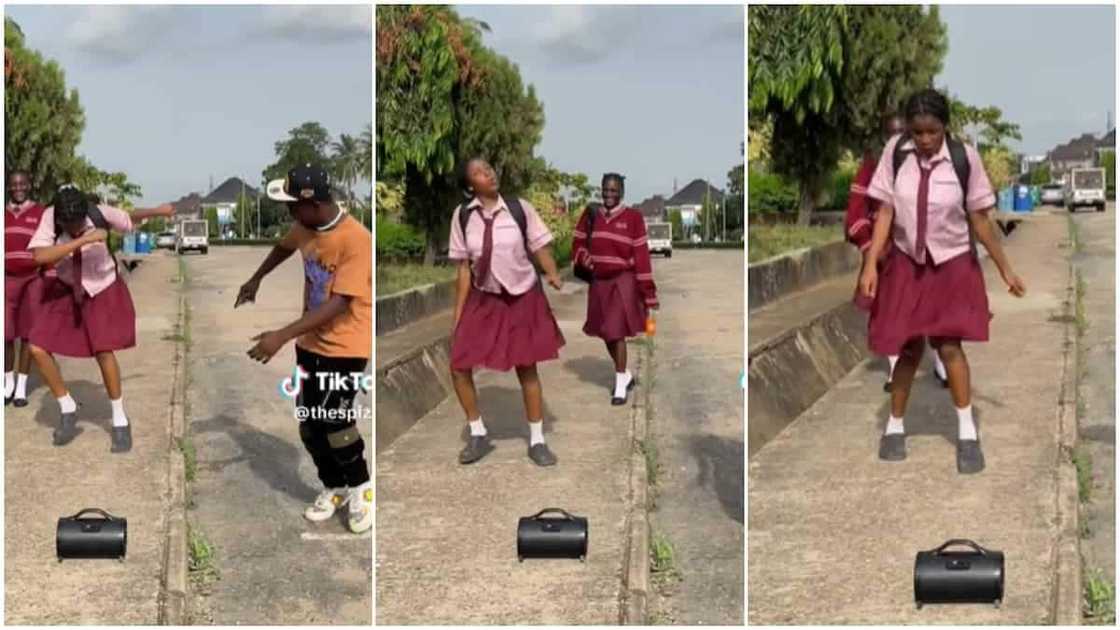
(122,439)
(892,447)
(970,459)
(616,401)
(944,381)
(67,428)
(478,446)
(887,387)
(541,455)
(20,402)
(7,400)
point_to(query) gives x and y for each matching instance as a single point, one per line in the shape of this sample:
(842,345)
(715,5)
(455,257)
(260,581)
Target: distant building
(1082,152)
(224,198)
(689,201)
(188,207)
(653,209)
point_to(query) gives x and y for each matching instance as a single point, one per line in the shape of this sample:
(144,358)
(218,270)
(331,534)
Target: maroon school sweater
(618,243)
(19,225)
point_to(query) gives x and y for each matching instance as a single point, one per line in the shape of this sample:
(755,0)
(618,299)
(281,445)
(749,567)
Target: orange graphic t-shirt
(337,261)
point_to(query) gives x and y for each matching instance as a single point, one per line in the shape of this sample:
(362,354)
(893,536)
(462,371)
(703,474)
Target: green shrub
(839,187)
(770,194)
(397,241)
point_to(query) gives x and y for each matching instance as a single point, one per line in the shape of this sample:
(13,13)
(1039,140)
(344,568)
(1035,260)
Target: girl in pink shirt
(931,285)
(502,318)
(87,310)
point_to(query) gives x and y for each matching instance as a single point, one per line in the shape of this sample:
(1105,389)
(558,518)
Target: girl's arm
(53,253)
(581,248)
(462,289)
(643,267)
(140,214)
(869,277)
(548,263)
(982,227)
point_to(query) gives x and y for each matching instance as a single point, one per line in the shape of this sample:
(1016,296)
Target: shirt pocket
(507,240)
(945,191)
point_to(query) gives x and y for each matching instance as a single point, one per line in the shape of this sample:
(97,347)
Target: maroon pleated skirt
(21,295)
(503,331)
(615,308)
(107,320)
(947,301)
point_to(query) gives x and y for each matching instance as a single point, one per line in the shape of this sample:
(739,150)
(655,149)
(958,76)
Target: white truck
(1085,187)
(192,234)
(660,237)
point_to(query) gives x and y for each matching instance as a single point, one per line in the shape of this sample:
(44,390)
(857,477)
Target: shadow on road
(269,457)
(93,405)
(596,371)
(720,467)
(503,413)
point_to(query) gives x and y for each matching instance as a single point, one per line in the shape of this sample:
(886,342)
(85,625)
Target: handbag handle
(94,511)
(547,510)
(960,541)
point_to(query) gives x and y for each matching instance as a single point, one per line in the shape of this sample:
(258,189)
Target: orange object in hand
(651,326)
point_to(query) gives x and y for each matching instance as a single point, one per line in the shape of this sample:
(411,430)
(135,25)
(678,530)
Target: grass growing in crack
(202,557)
(1074,236)
(1084,464)
(1099,602)
(662,560)
(190,458)
(1079,306)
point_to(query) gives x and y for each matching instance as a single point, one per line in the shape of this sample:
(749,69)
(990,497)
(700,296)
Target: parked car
(1052,194)
(165,240)
(193,235)
(660,237)
(1085,187)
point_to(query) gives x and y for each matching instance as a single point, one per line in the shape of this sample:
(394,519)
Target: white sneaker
(361,508)
(325,504)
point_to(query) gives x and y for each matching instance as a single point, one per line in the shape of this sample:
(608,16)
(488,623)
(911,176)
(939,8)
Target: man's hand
(247,293)
(1015,284)
(268,344)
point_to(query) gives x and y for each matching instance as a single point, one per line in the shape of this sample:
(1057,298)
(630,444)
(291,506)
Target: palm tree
(345,159)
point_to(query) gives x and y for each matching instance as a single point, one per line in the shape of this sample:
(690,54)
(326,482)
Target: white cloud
(119,34)
(330,22)
(582,34)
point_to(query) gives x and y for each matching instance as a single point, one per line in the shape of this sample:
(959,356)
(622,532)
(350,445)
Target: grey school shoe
(122,439)
(478,446)
(970,459)
(67,428)
(892,447)
(541,455)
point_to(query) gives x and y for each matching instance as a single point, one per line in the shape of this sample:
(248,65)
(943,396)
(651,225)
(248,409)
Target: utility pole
(241,202)
(258,216)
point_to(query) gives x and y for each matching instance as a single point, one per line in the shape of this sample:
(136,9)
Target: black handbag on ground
(103,537)
(540,536)
(975,576)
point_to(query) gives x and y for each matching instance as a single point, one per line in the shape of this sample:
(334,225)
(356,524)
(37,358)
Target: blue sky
(653,92)
(176,95)
(1051,69)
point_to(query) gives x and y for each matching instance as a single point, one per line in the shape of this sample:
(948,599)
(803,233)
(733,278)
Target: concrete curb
(775,278)
(636,587)
(173,604)
(410,387)
(396,310)
(1066,605)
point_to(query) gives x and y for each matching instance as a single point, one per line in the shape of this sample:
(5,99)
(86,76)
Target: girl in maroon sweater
(21,218)
(622,288)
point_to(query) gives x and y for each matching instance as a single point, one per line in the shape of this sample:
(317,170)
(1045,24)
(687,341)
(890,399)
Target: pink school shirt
(946,226)
(510,267)
(98,269)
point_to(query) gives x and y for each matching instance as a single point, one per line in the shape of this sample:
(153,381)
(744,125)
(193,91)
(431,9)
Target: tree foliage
(822,76)
(1040,174)
(443,98)
(981,125)
(999,164)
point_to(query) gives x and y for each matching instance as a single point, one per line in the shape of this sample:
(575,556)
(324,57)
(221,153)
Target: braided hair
(70,205)
(929,102)
(616,177)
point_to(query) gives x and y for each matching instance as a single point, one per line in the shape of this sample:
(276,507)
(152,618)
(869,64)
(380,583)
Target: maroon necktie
(482,268)
(923,214)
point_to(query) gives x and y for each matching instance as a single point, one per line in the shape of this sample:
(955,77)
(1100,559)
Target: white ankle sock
(21,386)
(894,425)
(894,361)
(119,419)
(536,432)
(66,404)
(621,382)
(966,426)
(9,384)
(477,428)
(939,367)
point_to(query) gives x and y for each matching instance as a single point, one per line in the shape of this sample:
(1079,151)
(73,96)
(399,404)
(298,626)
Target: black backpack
(961,166)
(513,204)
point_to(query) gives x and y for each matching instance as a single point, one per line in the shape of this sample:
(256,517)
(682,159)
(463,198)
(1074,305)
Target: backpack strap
(464,215)
(99,221)
(518,213)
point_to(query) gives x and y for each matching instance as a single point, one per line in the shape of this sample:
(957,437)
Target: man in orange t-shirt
(334,338)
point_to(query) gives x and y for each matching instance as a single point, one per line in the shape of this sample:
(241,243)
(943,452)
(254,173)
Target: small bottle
(651,325)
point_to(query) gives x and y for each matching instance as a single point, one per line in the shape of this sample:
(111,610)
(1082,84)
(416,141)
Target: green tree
(983,125)
(999,164)
(678,225)
(822,76)
(244,215)
(1040,174)
(346,160)
(1108,162)
(212,220)
(442,98)
(734,202)
(43,120)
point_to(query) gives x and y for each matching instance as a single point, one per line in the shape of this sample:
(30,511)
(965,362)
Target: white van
(660,237)
(1085,187)
(193,234)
